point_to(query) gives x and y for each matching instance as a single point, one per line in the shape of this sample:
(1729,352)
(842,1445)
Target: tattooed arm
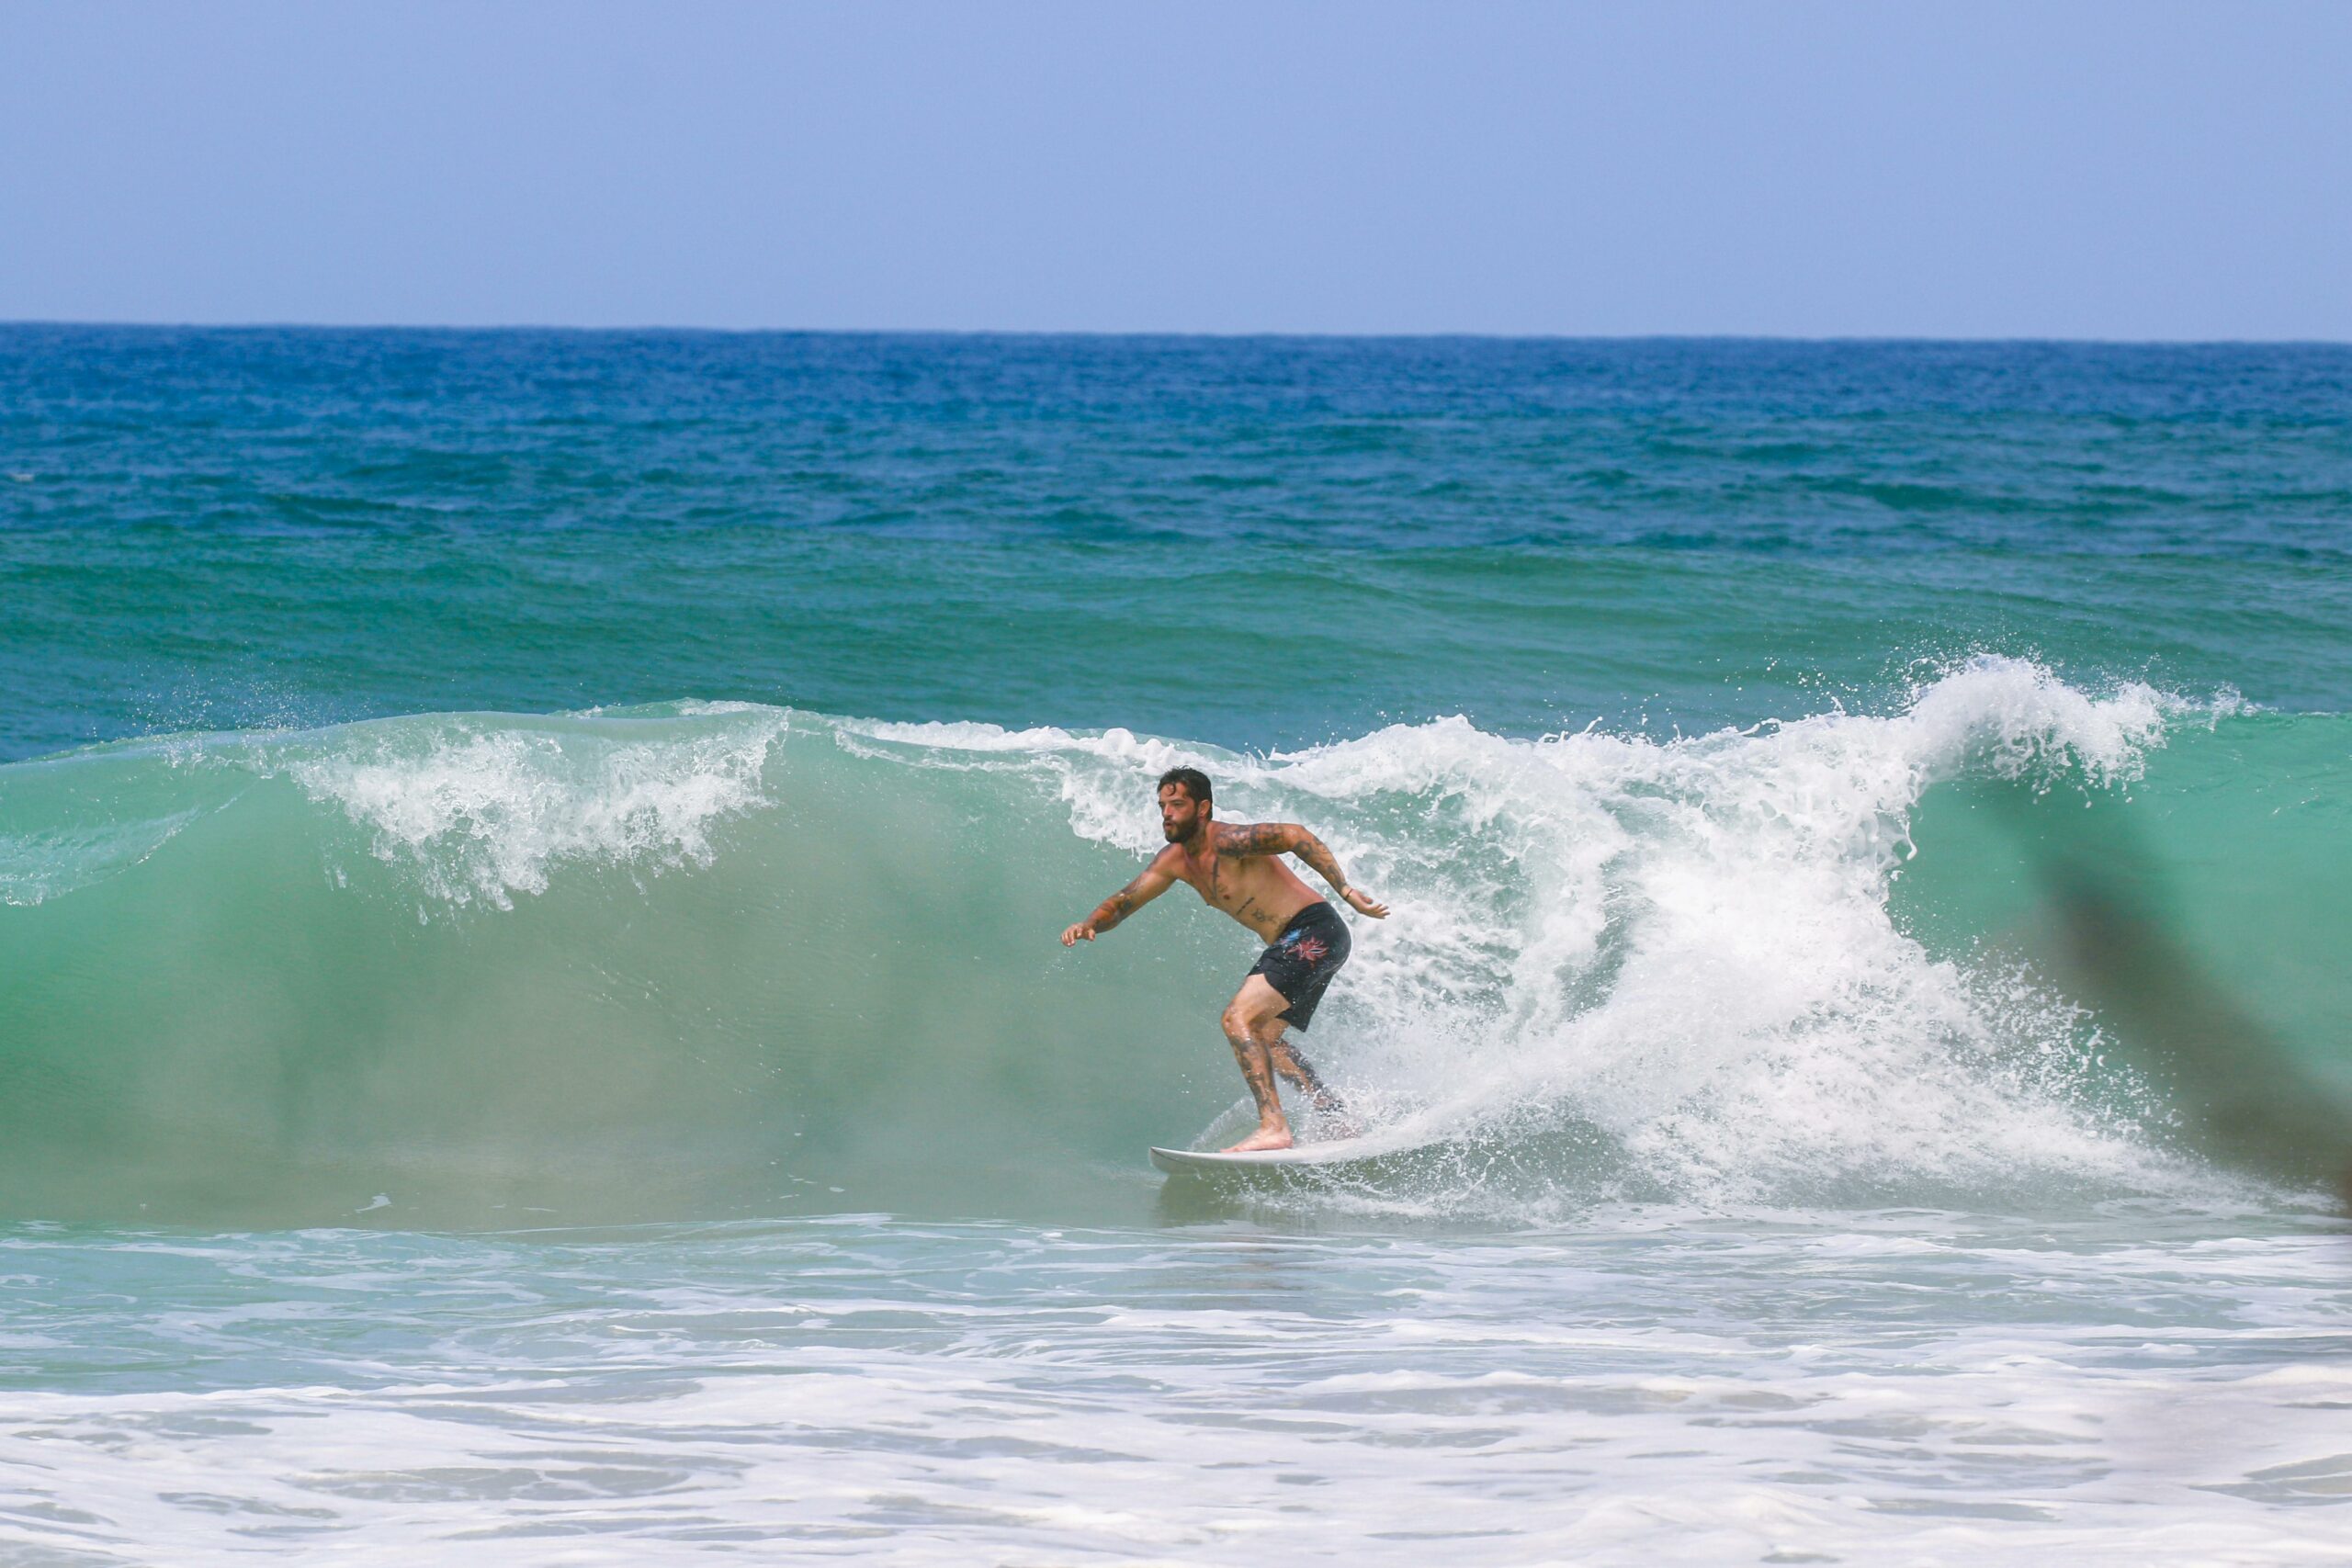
(1289,838)
(1156,879)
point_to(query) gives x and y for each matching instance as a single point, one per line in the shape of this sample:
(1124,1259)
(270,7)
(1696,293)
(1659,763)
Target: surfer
(1235,867)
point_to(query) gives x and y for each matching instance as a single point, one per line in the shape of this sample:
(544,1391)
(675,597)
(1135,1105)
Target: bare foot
(1264,1138)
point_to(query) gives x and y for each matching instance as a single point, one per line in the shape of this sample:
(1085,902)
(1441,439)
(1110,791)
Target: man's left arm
(1289,838)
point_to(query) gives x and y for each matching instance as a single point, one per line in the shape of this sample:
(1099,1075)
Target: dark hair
(1195,782)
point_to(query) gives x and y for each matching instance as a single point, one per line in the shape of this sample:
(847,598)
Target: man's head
(1184,803)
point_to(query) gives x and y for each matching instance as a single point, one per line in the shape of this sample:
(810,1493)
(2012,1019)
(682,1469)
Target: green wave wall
(692,960)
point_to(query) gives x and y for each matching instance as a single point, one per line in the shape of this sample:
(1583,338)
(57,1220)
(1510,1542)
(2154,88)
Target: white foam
(1687,943)
(477,809)
(1640,1389)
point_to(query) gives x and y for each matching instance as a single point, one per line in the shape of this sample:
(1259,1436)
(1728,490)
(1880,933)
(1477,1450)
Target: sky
(2141,170)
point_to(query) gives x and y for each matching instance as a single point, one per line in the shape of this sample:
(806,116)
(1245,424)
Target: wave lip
(483,809)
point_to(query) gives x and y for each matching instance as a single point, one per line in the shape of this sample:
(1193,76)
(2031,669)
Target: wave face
(701,959)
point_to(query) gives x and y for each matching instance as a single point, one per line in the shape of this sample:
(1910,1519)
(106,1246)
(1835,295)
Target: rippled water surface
(2127,1385)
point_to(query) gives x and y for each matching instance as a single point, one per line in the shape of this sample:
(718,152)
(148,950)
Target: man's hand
(1083,932)
(1362,903)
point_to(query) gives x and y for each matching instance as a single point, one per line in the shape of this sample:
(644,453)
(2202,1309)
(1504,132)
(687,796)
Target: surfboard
(1328,1152)
(1176,1162)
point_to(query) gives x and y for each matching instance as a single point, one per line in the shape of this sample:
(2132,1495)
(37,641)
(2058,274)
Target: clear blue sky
(2059,169)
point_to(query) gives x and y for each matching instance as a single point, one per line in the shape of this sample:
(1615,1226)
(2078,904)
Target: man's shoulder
(1251,838)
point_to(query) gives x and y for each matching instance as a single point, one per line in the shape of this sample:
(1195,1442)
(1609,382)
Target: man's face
(1178,813)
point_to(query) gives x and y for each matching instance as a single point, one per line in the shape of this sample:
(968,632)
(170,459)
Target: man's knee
(1239,1024)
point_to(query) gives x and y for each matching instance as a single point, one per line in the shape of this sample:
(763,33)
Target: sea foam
(1683,947)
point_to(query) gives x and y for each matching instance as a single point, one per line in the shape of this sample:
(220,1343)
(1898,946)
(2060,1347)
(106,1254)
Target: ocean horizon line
(1064,335)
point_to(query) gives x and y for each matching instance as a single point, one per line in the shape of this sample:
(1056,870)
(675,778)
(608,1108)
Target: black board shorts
(1300,962)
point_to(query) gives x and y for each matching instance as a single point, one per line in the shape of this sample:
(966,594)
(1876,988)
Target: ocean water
(531,1026)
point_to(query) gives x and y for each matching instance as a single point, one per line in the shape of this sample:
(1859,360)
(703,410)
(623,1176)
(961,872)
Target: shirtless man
(1236,869)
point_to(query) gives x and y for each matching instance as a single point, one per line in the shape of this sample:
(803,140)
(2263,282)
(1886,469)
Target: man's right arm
(1154,881)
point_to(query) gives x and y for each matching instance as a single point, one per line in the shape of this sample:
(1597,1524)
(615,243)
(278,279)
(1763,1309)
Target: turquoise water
(528,869)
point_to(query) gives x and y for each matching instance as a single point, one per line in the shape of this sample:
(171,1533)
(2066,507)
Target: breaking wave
(725,959)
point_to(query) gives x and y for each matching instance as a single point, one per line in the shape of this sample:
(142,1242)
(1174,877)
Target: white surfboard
(1325,1152)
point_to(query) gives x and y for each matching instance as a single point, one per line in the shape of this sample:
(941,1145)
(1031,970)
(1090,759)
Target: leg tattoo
(1292,1064)
(1251,1056)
